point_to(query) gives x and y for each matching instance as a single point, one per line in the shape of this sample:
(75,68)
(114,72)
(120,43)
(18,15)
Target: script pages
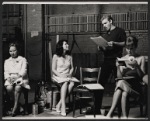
(92,86)
(100,41)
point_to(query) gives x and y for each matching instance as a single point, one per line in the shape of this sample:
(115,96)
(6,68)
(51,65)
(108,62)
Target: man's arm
(119,43)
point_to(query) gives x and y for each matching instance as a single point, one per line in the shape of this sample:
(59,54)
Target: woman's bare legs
(116,98)
(16,95)
(62,103)
(10,92)
(70,87)
(124,104)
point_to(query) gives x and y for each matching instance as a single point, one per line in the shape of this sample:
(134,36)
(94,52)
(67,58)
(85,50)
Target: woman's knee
(18,88)
(71,84)
(9,88)
(65,83)
(64,86)
(145,79)
(120,82)
(124,94)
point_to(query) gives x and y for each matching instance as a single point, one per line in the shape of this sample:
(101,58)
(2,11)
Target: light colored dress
(63,67)
(13,67)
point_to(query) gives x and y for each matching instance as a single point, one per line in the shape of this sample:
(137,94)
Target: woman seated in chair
(62,67)
(135,67)
(15,75)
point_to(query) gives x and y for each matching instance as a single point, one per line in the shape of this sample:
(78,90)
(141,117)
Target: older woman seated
(135,67)
(15,75)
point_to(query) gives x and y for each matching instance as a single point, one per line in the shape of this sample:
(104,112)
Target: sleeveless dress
(63,67)
(131,86)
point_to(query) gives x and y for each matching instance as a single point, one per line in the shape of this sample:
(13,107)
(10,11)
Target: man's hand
(110,43)
(101,48)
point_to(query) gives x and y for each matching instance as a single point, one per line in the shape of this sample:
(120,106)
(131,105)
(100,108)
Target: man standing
(116,38)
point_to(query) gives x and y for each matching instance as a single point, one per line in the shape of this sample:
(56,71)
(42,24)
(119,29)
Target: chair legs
(26,101)
(74,103)
(128,108)
(80,107)
(94,105)
(141,109)
(51,104)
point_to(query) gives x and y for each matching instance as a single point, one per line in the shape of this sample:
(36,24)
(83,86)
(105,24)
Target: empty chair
(89,78)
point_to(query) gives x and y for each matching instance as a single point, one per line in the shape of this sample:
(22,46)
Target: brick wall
(87,46)
(34,41)
(142,37)
(143,42)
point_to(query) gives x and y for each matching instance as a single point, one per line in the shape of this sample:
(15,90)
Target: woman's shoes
(58,111)
(63,114)
(13,114)
(15,111)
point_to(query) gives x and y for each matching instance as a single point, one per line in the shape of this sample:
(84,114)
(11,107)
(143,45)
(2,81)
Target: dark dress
(131,86)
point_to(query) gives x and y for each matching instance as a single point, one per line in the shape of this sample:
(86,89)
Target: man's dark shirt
(116,35)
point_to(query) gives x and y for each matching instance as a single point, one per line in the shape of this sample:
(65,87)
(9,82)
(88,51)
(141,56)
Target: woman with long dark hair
(62,68)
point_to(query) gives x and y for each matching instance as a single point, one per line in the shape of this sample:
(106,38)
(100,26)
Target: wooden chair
(87,76)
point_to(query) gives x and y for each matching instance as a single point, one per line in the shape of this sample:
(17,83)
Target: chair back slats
(89,75)
(94,79)
(90,69)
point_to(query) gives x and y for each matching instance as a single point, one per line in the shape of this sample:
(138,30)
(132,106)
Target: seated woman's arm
(23,70)
(6,71)
(71,67)
(119,70)
(140,66)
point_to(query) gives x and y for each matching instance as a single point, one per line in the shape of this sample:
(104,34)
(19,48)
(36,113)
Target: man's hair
(108,17)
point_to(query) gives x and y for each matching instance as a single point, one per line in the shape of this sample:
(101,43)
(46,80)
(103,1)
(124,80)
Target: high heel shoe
(13,114)
(58,111)
(63,114)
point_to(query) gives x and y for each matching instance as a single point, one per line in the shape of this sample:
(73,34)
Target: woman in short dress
(134,68)
(15,75)
(62,68)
